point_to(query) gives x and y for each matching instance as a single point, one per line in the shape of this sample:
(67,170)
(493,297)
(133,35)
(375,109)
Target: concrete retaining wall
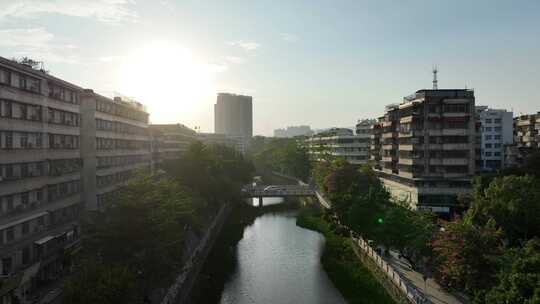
(179,291)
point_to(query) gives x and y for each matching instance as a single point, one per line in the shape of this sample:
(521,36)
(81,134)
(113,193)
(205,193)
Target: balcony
(455,114)
(410,147)
(462,146)
(389,135)
(411,161)
(448,161)
(387,159)
(523,123)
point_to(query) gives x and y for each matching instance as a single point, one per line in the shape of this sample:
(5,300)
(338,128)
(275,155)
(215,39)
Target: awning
(44,240)
(30,272)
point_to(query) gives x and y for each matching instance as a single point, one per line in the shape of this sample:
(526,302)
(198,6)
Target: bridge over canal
(261,191)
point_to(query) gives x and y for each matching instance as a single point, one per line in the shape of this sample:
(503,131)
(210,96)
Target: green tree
(466,255)
(105,284)
(142,229)
(512,201)
(519,281)
(285,156)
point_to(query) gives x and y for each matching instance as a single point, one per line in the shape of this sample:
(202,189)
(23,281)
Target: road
(433,291)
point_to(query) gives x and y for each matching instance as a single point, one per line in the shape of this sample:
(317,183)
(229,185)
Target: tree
(142,229)
(532,164)
(105,284)
(286,156)
(519,281)
(215,172)
(513,202)
(466,256)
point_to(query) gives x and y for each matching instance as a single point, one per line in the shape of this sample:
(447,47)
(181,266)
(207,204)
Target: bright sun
(170,80)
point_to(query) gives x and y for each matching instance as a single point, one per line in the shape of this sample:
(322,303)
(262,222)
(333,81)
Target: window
(8,139)
(456,108)
(497,137)
(10,234)
(497,120)
(488,137)
(487,129)
(26,255)
(5,77)
(6,108)
(488,120)
(498,129)
(25,198)
(24,140)
(29,83)
(24,170)
(25,227)
(9,202)
(487,145)
(487,153)
(497,145)
(6,266)
(496,153)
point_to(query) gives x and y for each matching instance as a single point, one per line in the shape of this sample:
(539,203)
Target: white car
(272,188)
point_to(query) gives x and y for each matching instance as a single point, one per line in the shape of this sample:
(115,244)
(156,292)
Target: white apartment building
(170,141)
(496,131)
(340,142)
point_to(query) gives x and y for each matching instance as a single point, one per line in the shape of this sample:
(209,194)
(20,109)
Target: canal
(279,262)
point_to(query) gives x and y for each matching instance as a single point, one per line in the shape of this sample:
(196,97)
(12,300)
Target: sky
(305,62)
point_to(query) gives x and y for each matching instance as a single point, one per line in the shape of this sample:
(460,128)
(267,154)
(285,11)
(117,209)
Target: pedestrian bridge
(277,190)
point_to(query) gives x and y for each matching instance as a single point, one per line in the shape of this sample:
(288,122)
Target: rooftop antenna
(435,70)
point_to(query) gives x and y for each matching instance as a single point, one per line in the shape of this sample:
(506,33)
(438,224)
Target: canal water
(279,263)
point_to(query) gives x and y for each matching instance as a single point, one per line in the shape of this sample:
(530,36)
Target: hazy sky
(315,62)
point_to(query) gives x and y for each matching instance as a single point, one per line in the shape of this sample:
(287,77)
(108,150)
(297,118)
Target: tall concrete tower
(233,115)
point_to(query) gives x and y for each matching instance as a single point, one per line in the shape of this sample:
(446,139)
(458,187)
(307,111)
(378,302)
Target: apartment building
(495,132)
(169,141)
(40,176)
(62,149)
(427,148)
(526,140)
(527,128)
(237,142)
(340,142)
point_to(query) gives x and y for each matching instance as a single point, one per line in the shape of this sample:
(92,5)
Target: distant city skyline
(323,65)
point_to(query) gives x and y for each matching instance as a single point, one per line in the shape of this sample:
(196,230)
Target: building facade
(339,142)
(495,132)
(427,148)
(40,181)
(170,141)
(115,144)
(62,149)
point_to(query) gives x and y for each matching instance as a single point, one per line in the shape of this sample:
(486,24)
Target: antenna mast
(435,70)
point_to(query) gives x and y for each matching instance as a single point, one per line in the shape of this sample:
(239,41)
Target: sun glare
(172,81)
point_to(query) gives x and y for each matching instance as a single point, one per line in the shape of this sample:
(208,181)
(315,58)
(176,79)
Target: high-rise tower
(233,115)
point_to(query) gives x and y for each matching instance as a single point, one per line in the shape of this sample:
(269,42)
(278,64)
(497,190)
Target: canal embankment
(356,282)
